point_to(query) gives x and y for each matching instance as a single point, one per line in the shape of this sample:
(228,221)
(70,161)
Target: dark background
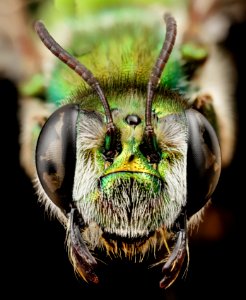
(34,258)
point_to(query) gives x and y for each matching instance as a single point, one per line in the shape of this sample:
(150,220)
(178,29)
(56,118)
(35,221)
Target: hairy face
(130,197)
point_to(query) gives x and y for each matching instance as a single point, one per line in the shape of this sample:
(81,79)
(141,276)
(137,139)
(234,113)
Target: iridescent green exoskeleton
(127,160)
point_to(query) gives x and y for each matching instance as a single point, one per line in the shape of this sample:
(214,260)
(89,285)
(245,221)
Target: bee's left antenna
(171,31)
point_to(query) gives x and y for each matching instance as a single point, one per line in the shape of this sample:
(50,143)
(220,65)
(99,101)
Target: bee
(129,153)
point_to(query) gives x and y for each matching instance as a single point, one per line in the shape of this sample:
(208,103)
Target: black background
(34,258)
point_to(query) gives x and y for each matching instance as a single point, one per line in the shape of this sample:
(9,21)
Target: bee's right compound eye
(56,155)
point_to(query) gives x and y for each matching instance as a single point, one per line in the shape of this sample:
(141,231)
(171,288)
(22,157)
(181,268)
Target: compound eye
(204,161)
(56,155)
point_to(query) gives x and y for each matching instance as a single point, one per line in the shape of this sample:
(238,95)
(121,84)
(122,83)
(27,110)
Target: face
(117,172)
(128,196)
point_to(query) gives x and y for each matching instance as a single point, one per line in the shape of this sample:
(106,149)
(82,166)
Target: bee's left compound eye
(204,161)
(56,155)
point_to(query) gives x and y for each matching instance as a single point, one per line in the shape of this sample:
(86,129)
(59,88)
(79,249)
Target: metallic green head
(116,161)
